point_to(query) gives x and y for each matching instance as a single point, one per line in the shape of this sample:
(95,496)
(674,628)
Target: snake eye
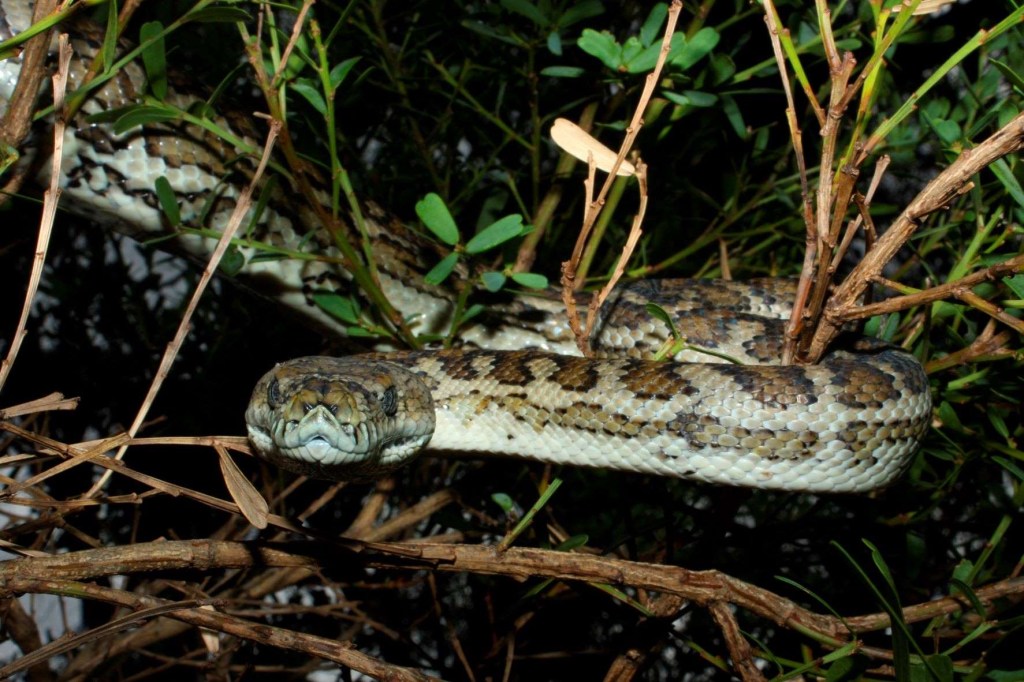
(389,401)
(274,393)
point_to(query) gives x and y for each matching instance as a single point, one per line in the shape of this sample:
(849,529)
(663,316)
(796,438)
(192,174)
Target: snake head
(339,418)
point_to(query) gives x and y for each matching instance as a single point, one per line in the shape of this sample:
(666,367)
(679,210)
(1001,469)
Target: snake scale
(516,386)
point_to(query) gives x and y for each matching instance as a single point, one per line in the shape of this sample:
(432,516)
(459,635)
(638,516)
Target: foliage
(440,113)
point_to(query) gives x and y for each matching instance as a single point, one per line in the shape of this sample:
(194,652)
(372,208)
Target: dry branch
(944,188)
(709,588)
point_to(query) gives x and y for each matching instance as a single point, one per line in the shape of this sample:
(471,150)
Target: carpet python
(516,387)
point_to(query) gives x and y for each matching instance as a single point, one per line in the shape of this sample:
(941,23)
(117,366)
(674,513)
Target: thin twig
(739,649)
(593,207)
(238,216)
(50,199)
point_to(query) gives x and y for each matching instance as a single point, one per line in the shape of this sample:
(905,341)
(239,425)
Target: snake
(723,410)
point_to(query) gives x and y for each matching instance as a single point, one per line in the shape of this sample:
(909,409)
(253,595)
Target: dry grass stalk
(50,199)
(595,204)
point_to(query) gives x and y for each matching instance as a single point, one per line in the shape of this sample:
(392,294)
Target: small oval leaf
(471,312)
(232,262)
(311,94)
(154,58)
(503,501)
(341,70)
(168,200)
(530,280)
(440,272)
(496,233)
(493,281)
(435,215)
(562,72)
(337,306)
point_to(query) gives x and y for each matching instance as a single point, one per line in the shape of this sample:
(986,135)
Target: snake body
(516,388)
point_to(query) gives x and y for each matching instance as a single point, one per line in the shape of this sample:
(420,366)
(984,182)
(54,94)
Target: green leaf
(1016,284)
(934,668)
(699,44)
(440,272)
(471,312)
(574,542)
(636,58)
(201,109)
(722,68)
(530,280)
(232,262)
(1010,466)
(1005,675)
(965,590)
(435,215)
(134,116)
(1009,74)
(948,131)
(496,233)
(488,31)
(8,157)
(643,61)
(527,9)
(168,200)
(337,306)
(651,28)
(1002,171)
(949,418)
(338,73)
(562,72)
(691,98)
(555,43)
(701,99)
(109,48)
(154,58)
(847,669)
(734,116)
(311,93)
(999,424)
(601,45)
(659,313)
(579,11)
(503,501)
(493,281)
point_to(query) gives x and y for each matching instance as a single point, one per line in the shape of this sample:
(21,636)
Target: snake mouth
(322,438)
(324,453)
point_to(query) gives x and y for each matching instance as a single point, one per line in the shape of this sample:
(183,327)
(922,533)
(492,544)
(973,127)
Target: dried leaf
(928,6)
(578,142)
(252,505)
(211,638)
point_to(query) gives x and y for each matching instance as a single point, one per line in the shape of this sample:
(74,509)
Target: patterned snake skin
(516,388)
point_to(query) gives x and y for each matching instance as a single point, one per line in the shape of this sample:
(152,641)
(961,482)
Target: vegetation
(443,109)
